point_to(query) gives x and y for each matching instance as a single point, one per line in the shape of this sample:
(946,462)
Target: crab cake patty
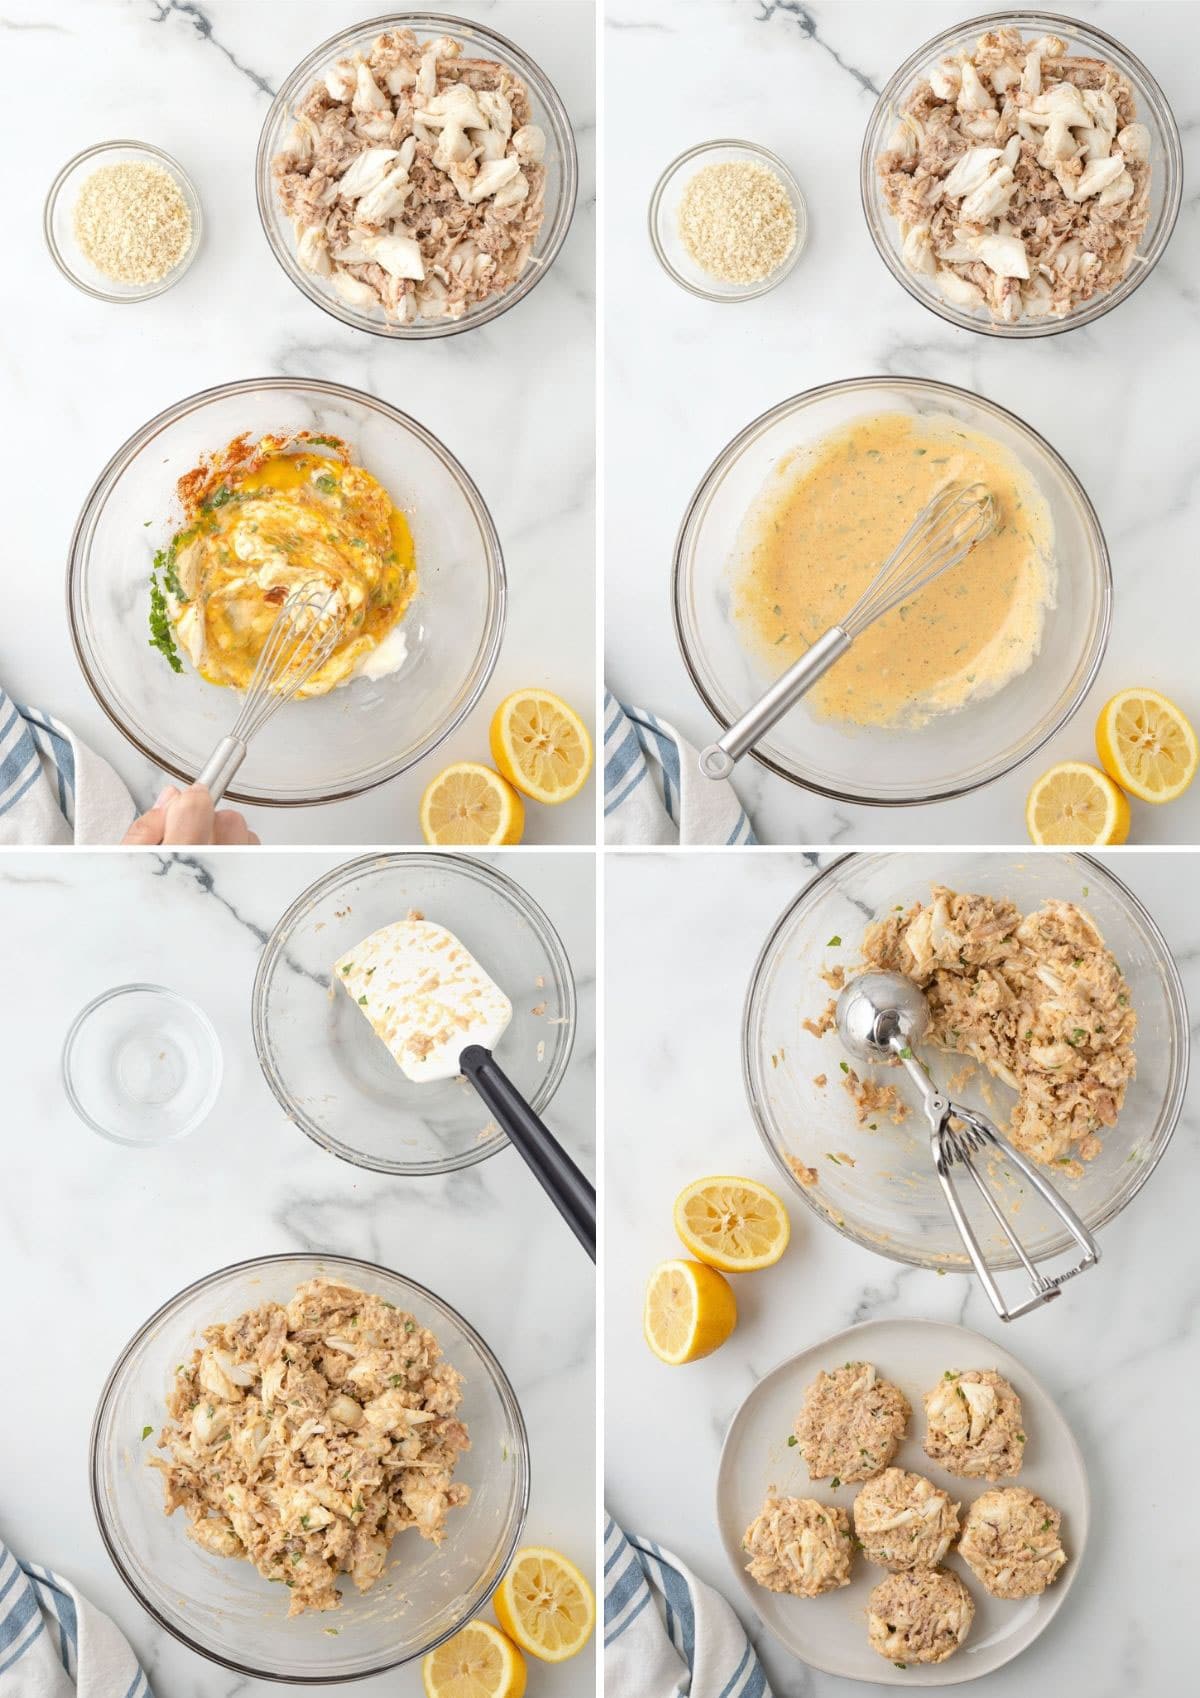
(1010,1542)
(903,1520)
(799,1546)
(851,1423)
(973,1425)
(921,1616)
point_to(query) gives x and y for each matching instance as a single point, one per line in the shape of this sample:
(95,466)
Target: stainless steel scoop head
(882,1017)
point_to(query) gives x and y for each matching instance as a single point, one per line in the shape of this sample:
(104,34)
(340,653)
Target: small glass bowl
(354,738)
(890,1200)
(664,220)
(885,766)
(59,213)
(141,1065)
(548,111)
(330,1073)
(1166,163)
(223,1609)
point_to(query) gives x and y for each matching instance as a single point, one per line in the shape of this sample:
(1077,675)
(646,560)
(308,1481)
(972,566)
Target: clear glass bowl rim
(489,649)
(1169,1115)
(148,291)
(706,488)
(275,945)
(357,1266)
(202,1020)
(795,193)
(1044,23)
(564,137)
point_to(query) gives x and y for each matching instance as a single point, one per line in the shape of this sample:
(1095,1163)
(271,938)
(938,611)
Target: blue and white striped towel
(667,1634)
(654,791)
(53,1644)
(53,788)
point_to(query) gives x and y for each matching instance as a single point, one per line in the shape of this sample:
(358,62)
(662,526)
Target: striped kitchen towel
(53,1644)
(654,791)
(53,788)
(667,1634)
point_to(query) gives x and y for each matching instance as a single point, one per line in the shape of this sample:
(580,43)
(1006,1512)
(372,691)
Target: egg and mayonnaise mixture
(264,519)
(825,523)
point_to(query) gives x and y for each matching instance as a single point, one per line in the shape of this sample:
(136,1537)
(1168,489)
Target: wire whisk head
(943,533)
(303,636)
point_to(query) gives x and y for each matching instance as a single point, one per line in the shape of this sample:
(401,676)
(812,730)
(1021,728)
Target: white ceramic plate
(830,1632)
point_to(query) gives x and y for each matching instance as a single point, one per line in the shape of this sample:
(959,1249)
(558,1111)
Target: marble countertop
(684,375)
(80,376)
(93,1236)
(682,935)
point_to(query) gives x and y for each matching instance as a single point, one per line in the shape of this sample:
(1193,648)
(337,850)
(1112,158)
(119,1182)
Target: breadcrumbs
(736,221)
(132,222)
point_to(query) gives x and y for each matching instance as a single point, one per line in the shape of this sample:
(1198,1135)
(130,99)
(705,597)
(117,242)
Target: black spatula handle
(568,1190)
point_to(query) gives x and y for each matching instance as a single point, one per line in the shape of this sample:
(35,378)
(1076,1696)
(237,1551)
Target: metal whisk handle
(221,766)
(719,759)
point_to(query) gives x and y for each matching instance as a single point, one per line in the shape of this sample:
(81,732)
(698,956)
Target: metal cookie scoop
(882,1017)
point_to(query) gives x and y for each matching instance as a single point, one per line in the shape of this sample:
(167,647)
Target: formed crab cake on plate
(921,1616)
(904,1521)
(1010,1542)
(973,1425)
(799,1546)
(851,1423)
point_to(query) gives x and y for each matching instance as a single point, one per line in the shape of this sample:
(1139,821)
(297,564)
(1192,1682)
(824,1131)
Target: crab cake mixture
(1010,1542)
(799,1546)
(973,1425)
(920,1616)
(824,523)
(1037,999)
(851,1423)
(1019,176)
(303,1438)
(903,1520)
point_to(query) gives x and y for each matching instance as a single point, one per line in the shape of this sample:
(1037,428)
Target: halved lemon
(545,1604)
(1147,744)
(1076,803)
(469,803)
(690,1311)
(479,1662)
(541,745)
(736,1225)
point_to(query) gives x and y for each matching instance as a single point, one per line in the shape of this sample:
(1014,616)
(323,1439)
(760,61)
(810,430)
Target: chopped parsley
(326,483)
(160,627)
(835,942)
(146,1431)
(362,1002)
(845,1066)
(793,1441)
(835,1482)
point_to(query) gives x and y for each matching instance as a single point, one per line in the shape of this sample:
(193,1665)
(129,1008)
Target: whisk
(304,634)
(941,536)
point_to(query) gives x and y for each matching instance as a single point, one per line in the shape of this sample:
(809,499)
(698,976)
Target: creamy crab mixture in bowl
(1056,1010)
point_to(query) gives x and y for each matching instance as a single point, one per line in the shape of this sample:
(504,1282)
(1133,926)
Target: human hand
(188,816)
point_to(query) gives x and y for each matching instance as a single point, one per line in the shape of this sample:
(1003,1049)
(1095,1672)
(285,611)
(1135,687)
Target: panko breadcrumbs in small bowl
(122,221)
(727,221)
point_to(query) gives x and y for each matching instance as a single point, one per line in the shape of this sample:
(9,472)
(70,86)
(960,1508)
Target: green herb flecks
(161,637)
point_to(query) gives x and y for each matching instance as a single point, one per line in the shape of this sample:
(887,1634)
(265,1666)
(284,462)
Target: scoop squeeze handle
(571,1193)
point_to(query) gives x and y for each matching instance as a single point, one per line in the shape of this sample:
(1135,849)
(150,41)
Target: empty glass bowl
(562,168)
(955,752)
(330,1073)
(58,220)
(141,1065)
(1084,40)
(664,220)
(223,1608)
(336,745)
(890,1200)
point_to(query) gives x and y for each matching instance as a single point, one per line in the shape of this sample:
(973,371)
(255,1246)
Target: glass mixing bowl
(330,1073)
(890,1201)
(561,162)
(1166,162)
(956,752)
(336,745)
(223,1608)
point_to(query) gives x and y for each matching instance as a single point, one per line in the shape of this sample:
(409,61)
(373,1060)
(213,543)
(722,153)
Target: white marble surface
(681,937)
(683,376)
(80,376)
(93,1237)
